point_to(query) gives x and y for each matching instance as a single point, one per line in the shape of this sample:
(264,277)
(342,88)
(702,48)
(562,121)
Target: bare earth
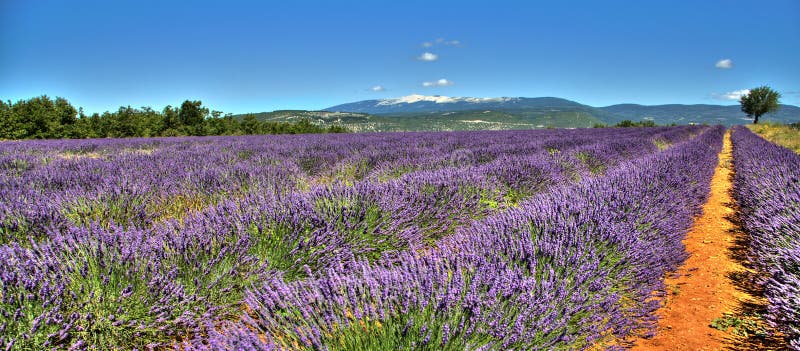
(705,286)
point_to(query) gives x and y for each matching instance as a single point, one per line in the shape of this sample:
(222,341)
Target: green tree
(170,116)
(39,117)
(65,112)
(9,122)
(628,123)
(122,123)
(250,125)
(219,124)
(192,115)
(64,119)
(760,101)
(304,126)
(337,129)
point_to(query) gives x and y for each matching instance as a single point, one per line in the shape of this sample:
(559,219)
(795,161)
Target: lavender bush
(767,188)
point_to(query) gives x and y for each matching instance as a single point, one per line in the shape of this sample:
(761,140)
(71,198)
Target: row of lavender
(47,186)
(572,268)
(109,286)
(767,188)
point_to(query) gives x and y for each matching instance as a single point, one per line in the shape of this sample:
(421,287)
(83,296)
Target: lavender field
(524,240)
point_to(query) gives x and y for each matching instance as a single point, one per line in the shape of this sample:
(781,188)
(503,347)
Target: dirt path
(703,289)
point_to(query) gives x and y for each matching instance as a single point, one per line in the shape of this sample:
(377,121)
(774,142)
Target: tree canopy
(760,101)
(44,118)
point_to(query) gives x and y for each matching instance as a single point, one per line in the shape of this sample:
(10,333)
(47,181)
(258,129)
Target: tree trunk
(755,121)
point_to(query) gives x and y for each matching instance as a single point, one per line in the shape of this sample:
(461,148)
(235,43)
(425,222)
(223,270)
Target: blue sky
(260,56)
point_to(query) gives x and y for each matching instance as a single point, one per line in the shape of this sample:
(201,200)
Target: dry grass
(787,136)
(69,155)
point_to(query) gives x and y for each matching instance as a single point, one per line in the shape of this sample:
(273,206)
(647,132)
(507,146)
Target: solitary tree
(759,101)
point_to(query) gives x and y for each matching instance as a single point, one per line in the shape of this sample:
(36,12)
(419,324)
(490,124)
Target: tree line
(629,124)
(45,118)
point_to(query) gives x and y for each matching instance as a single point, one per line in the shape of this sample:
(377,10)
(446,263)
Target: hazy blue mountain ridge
(424,112)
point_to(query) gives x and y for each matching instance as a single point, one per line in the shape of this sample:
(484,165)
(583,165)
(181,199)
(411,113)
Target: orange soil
(702,290)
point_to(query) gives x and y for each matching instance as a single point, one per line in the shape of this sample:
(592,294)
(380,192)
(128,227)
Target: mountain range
(425,112)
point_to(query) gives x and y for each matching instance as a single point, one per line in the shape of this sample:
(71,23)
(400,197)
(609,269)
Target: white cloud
(724,64)
(731,95)
(439,83)
(441,41)
(427,56)
(378,88)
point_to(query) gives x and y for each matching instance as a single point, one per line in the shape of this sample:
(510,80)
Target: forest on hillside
(45,118)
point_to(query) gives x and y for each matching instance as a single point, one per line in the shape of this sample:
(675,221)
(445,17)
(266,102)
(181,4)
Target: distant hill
(296,115)
(424,103)
(710,114)
(422,112)
(438,121)
(355,121)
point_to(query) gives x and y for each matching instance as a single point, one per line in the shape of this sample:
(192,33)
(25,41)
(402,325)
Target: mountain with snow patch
(417,103)
(436,112)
